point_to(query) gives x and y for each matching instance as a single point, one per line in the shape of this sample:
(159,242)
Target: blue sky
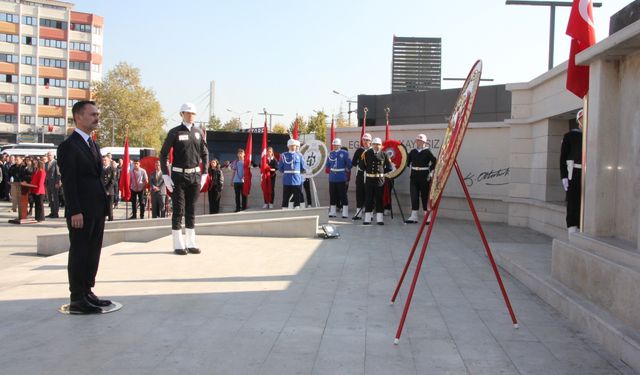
(288,56)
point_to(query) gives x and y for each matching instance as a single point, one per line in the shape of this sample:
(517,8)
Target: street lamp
(264,110)
(349,101)
(239,114)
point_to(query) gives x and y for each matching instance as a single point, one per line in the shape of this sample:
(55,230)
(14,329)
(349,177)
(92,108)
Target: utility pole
(264,110)
(212,95)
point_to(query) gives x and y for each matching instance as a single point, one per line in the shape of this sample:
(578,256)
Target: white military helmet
(366,137)
(188,107)
(292,142)
(337,142)
(376,141)
(421,137)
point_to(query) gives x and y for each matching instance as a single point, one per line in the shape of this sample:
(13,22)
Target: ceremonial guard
(376,163)
(571,172)
(189,150)
(355,162)
(292,167)
(337,166)
(422,163)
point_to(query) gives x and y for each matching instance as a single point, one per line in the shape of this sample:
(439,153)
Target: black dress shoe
(94,300)
(366,223)
(381,223)
(193,250)
(180,251)
(82,306)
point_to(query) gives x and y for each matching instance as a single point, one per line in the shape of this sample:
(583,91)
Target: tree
(214,124)
(302,126)
(126,106)
(279,128)
(318,124)
(340,120)
(232,125)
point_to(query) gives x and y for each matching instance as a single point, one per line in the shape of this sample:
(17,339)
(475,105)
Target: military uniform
(356,162)
(422,162)
(337,166)
(571,169)
(292,167)
(375,164)
(108,180)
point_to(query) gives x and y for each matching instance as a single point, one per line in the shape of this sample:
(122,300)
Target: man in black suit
(85,201)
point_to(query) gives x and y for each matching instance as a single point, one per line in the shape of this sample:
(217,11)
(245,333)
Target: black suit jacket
(81,178)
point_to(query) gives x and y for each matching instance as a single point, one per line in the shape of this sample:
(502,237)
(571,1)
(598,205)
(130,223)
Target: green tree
(126,106)
(340,120)
(318,124)
(214,123)
(232,125)
(279,128)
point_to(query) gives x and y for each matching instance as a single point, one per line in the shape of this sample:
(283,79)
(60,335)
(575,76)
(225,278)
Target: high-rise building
(49,55)
(416,64)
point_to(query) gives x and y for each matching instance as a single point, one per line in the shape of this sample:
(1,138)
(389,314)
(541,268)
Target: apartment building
(49,55)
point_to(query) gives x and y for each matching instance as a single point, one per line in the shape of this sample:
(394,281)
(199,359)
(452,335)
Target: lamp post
(239,114)
(349,101)
(264,110)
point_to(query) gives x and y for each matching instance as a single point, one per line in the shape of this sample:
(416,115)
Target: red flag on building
(295,128)
(364,125)
(387,130)
(386,193)
(246,187)
(125,179)
(265,170)
(582,32)
(333,134)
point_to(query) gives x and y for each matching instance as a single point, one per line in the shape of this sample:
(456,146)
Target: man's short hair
(79,106)
(240,150)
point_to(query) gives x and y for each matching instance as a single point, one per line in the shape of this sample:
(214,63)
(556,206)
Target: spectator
(38,178)
(216,181)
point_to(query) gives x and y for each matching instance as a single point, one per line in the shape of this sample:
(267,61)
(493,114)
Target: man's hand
(77,222)
(565,184)
(168,182)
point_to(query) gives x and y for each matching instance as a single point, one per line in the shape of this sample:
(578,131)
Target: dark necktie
(93,148)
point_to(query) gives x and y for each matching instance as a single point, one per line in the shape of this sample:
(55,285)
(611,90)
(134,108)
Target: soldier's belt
(337,169)
(292,172)
(419,168)
(185,170)
(373,175)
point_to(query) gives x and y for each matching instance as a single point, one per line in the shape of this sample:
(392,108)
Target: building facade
(49,55)
(416,64)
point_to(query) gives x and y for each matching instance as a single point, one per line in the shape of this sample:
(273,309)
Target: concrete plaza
(287,306)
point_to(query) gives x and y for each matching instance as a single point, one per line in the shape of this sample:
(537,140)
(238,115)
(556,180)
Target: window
(28,99)
(28,60)
(95,68)
(28,20)
(97,30)
(29,120)
(9,38)
(30,40)
(11,119)
(10,78)
(96,48)
(72,102)
(57,121)
(57,102)
(47,82)
(53,23)
(8,17)
(5,57)
(79,65)
(80,46)
(28,80)
(8,98)
(82,27)
(54,63)
(79,84)
(53,43)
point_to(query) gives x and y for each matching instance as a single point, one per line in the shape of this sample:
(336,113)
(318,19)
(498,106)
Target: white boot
(178,242)
(190,234)
(358,213)
(573,229)
(413,218)
(270,205)
(387,212)
(367,218)
(428,215)
(380,218)
(332,211)
(266,205)
(345,212)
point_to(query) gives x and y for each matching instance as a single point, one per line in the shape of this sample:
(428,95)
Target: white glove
(168,182)
(203,180)
(565,184)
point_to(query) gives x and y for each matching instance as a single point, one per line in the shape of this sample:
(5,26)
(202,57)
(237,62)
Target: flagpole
(585,123)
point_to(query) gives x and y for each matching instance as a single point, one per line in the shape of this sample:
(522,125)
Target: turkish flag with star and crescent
(582,32)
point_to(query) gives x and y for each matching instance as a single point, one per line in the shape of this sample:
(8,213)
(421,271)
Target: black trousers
(214,201)
(157,205)
(84,255)
(360,191)
(573,198)
(53,195)
(419,189)
(186,187)
(109,212)
(374,189)
(138,196)
(39,202)
(338,194)
(289,191)
(241,200)
(306,185)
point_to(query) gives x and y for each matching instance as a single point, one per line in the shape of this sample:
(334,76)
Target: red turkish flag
(246,187)
(125,180)
(333,133)
(295,128)
(265,170)
(387,131)
(581,29)
(364,126)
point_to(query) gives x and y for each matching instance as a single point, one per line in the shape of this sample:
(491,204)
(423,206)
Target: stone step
(617,251)
(532,267)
